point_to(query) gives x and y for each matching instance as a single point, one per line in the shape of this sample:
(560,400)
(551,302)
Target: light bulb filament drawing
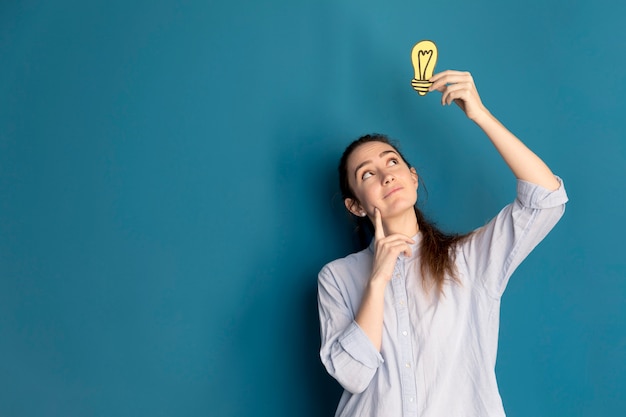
(424,58)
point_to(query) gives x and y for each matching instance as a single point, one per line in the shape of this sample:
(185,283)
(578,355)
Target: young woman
(409,325)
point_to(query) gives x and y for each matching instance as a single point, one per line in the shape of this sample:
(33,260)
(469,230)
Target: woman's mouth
(392,191)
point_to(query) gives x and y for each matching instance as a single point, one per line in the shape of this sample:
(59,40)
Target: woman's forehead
(369,151)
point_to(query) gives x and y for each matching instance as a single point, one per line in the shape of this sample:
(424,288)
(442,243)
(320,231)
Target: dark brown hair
(437,248)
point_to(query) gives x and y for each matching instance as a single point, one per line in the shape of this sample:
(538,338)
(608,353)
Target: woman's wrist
(482,116)
(377,283)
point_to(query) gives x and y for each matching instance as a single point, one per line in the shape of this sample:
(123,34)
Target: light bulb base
(421,86)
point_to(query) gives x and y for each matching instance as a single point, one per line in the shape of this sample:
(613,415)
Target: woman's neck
(405,224)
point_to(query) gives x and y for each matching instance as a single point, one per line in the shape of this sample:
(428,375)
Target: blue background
(168,193)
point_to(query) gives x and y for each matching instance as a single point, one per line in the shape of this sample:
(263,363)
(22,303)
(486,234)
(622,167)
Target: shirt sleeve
(347,353)
(493,252)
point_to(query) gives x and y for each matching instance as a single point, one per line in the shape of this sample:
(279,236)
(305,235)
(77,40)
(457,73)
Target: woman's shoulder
(352,263)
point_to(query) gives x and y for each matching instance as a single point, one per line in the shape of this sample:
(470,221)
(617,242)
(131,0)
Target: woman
(409,325)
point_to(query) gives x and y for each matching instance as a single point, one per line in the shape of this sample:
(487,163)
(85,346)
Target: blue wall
(167,193)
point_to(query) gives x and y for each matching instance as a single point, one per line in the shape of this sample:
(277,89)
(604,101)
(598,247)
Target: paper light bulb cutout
(424,57)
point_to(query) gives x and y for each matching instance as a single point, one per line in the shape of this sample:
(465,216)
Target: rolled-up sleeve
(493,251)
(346,351)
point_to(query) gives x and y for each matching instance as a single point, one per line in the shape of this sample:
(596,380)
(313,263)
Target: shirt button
(407,365)
(404,333)
(411,399)
(401,302)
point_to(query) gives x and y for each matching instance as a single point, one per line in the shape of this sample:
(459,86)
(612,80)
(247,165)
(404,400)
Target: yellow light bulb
(424,57)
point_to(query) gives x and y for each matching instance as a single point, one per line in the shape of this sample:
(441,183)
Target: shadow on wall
(277,330)
(317,226)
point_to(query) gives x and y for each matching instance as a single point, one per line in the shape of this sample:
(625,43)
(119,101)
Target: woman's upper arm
(494,251)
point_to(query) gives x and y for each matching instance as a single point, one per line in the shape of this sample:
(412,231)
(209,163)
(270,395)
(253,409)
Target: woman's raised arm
(459,87)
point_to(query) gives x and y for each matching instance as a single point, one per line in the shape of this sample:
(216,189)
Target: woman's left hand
(458,87)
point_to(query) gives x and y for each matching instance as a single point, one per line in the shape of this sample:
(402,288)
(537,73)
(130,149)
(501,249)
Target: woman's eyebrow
(362,164)
(383,153)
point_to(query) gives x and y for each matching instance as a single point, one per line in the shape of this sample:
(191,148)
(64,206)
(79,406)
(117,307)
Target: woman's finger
(399,237)
(449,77)
(395,243)
(394,249)
(379,232)
(461,91)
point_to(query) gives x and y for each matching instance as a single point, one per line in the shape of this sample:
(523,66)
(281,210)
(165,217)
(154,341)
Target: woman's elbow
(353,376)
(355,385)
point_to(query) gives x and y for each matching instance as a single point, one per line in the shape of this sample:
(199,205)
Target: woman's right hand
(386,252)
(387,249)
(459,87)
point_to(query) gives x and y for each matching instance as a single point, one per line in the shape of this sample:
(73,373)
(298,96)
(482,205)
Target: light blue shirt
(438,352)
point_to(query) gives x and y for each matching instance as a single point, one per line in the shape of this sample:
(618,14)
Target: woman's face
(381,179)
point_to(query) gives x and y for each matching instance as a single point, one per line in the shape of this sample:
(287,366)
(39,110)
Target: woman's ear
(354,207)
(415,177)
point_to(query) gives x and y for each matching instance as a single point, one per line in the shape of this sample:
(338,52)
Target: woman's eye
(366,175)
(393,162)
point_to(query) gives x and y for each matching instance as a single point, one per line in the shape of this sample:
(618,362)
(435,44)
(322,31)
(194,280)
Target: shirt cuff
(537,197)
(356,343)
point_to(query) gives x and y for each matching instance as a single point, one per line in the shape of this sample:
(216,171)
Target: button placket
(407,376)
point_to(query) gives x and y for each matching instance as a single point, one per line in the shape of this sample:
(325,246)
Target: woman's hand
(459,87)
(372,309)
(387,250)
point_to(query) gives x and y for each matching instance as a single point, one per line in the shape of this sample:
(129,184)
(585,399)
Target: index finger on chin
(379,232)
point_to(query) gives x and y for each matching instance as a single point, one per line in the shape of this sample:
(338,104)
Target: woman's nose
(388,178)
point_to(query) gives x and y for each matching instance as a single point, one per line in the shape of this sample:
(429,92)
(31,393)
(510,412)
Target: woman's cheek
(370,204)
